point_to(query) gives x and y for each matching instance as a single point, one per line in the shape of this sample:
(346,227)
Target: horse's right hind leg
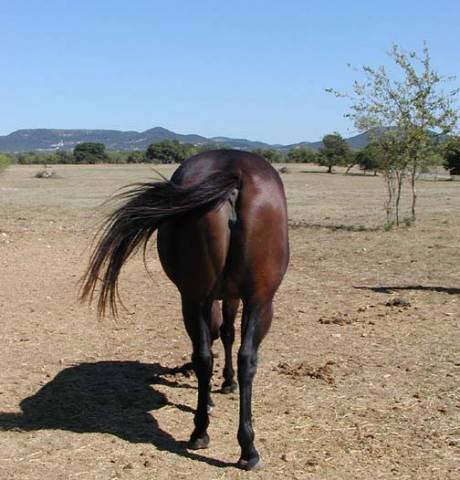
(227,333)
(257,317)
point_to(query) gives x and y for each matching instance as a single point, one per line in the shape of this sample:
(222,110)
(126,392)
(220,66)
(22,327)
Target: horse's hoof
(232,388)
(255,463)
(199,443)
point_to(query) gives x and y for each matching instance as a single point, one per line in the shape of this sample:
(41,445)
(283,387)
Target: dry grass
(358,377)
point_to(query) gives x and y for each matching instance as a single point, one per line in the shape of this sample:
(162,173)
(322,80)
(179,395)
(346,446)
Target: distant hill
(51,139)
(357,141)
(240,143)
(43,139)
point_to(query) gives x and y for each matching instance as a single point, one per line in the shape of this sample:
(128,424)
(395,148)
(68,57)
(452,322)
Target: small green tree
(412,103)
(90,152)
(369,158)
(334,152)
(301,155)
(450,151)
(393,165)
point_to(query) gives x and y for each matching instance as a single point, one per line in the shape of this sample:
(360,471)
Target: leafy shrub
(4,162)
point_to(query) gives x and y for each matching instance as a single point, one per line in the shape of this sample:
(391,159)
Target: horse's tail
(147,205)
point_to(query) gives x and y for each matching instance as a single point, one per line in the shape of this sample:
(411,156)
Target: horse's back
(238,249)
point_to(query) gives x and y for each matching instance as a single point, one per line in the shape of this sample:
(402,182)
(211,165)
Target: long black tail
(133,223)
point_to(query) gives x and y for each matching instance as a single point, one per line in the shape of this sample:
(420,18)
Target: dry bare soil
(358,378)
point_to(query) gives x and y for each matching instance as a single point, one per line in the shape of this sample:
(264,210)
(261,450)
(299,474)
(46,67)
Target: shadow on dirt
(107,397)
(428,288)
(334,227)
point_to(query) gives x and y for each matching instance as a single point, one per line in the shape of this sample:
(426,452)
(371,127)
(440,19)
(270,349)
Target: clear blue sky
(254,69)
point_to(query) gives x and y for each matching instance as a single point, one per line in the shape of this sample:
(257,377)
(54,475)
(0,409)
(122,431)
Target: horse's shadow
(423,288)
(106,397)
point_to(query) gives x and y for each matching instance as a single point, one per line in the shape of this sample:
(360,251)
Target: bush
(4,162)
(62,156)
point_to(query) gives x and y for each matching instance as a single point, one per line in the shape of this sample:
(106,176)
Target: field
(357,379)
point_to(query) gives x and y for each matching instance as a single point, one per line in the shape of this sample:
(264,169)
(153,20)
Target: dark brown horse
(222,235)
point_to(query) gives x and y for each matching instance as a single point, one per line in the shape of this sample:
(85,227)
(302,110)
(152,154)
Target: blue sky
(252,69)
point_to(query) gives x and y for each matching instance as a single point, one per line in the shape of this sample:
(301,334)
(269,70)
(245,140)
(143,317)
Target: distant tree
(136,157)
(41,158)
(450,151)
(63,156)
(413,104)
(369,158)
(302,155)
(168,151)
(28,158)
(351,160)
(190,150)
(23,158)
(271,155)
(20,158)
(117,156)
(334,152)
(90,152)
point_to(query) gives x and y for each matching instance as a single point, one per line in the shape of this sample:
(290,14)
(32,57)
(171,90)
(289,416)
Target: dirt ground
(357,379)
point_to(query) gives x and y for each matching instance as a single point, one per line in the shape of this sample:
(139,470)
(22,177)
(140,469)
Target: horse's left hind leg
(196,318)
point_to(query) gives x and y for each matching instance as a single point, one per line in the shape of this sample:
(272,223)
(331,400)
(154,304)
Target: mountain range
(44,139)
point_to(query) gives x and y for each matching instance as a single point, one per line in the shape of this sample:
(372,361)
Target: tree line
(335,152)
(166,151)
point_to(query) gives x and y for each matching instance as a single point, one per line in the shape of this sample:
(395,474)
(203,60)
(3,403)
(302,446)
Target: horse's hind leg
(215,328)
(256,321)
(227,333)
(196,318)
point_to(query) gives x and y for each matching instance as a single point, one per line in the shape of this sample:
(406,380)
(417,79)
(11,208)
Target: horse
(222,235)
